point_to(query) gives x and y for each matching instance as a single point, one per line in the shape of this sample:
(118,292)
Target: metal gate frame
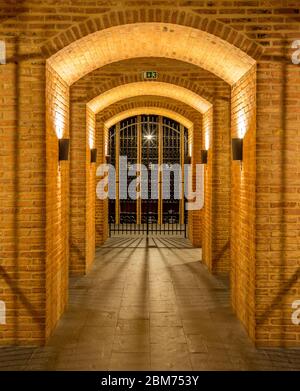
(164,223)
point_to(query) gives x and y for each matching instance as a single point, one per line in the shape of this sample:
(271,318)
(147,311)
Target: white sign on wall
(2,53)
(296,314)
(296,54)
(2,312)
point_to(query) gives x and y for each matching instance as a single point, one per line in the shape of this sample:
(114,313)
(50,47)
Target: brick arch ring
(148,110)
(153,15)
(145,102)
(130,90)
(149,88)
(167,40)
(99,89)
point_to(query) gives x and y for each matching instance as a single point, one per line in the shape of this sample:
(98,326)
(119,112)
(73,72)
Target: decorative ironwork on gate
(149,140)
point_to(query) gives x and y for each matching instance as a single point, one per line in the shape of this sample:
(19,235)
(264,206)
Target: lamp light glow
(91,140)
(59,125)
(149,137)
(242,120)
(206,140)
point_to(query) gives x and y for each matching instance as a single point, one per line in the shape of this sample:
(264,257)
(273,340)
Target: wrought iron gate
(148,139)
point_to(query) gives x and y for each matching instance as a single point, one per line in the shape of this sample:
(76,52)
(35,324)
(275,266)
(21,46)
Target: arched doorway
(155,142)
(237,66)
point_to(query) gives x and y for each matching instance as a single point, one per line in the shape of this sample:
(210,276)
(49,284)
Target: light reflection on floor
(149,305)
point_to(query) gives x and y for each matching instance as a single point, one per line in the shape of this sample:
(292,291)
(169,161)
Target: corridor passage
(149,305)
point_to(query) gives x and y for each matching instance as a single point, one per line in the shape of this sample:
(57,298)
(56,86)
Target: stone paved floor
(149,306)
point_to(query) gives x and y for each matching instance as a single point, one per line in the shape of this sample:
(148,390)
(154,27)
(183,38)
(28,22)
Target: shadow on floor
(149,305)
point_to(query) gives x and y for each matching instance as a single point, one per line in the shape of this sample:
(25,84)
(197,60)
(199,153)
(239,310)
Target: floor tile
(152,308)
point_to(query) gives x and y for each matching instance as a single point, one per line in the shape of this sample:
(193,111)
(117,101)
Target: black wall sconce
(237,149)
(63,149)
(204,156)
(187,160)
(93,155)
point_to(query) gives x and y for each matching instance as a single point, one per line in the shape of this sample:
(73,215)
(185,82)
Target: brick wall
(216,212)
(195,217)
(277,203)
(101,211)
(207,140)
(57,200)
(271,255)
(22,197)
(90,195)
(221,184)
(82,195)
(78,180)
(243,264)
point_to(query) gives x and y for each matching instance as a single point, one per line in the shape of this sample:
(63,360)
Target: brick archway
(264,207)
(164,40)
(142,88)
(151,15)
(147,102)
(133,40)
(82,247)
(121,110)
(148,110)
(95,83)
(175,94)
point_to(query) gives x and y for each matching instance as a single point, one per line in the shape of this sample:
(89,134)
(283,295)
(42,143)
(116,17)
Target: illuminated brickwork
(247,45)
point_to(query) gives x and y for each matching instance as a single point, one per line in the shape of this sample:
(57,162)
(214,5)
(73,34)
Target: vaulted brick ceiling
(148,110)
(149,101)
(172,71)
(151,40)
